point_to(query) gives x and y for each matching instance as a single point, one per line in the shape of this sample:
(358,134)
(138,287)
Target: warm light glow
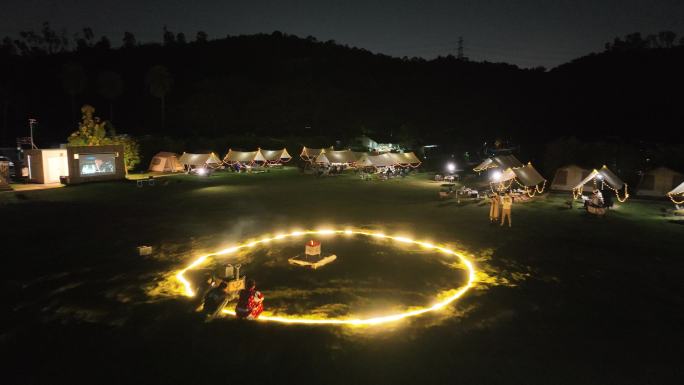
(343,321)
(496,176)
(451,167)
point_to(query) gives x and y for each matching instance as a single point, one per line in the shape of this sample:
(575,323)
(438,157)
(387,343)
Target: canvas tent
(602,178)
(406,159)
(275,156)
(165,162)
(383,160)
(331,157)
(388,159)
(243,157)
(503,162)
(526,177)
(568,177)
(677,194)
(310,154)
(209,160)
(659,182)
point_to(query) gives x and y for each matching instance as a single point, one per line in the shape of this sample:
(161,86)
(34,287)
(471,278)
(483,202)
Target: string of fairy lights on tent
(672,198)
(577,192)
(439,304)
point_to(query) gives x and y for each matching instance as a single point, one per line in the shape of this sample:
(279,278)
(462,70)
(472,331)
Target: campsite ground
(567,298)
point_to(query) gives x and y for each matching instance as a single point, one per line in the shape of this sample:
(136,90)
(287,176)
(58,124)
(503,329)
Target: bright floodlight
(451,167)
(496,176)
(202,171)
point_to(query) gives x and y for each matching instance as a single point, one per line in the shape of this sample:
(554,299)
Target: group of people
(249,305)
(598,200)
(500,206)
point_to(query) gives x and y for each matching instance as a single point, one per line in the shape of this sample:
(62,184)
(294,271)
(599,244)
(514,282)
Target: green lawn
(564,297)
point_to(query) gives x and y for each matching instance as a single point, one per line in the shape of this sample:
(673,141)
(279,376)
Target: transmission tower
(459,54)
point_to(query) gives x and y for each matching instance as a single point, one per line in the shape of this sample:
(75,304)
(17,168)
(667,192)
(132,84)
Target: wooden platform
(314,264)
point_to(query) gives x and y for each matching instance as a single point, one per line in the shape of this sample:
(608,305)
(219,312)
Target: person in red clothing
(250,302)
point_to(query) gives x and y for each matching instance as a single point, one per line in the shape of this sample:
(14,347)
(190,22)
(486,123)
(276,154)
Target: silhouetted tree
(45,42)
(5,100)
(201,37)
(180,38)
(159,82)
(667,38)
(103,43)
(110,86)
(74,81)
(86,40)
(7,47)
(169,37)
(128,40)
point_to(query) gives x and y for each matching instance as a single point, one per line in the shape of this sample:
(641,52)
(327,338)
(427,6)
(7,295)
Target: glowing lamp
(313,248)
(496,176)
(202,171)
(451,167)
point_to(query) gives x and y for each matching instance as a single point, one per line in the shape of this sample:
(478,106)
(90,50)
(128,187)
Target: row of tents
(656,183)
(329,156)
(170,162)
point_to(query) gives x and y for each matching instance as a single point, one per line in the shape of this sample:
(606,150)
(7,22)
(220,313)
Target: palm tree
(74,82)
(110,86)
(159,81)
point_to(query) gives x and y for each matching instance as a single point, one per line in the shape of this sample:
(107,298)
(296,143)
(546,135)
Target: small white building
(47,165)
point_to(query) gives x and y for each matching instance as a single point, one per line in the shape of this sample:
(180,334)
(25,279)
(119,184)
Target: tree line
(205,93)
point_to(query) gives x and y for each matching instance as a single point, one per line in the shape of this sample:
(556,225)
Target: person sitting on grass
(215,299)
(250,302)
(595,201)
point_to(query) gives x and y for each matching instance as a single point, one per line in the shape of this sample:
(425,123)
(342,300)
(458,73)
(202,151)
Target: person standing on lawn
(507,203)
(494,208)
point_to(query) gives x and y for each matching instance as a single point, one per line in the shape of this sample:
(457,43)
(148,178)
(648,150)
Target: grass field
(563,298)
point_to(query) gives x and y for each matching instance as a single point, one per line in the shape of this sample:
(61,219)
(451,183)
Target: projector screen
(97,164)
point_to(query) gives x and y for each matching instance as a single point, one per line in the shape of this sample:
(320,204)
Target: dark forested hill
(280,85)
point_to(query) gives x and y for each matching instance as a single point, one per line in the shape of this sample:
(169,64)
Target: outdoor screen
(97,164)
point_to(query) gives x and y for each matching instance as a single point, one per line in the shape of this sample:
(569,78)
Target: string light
(672,198)
(577,191)
(440,304)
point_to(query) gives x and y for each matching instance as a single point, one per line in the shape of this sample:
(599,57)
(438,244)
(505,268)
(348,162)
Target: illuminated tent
(600,178)
(244,157)
(388,159)
(328,157)
(526,177)
(659,181)
(310,154)
(406,159)
(275,156)
(676,194)
(568,177)
(199,160)
(500,161)
(165,162)
(383,160)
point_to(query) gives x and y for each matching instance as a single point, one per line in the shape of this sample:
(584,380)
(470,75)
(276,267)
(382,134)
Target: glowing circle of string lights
(440,304)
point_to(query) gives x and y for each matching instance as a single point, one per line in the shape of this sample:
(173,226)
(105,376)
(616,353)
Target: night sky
(523,32)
